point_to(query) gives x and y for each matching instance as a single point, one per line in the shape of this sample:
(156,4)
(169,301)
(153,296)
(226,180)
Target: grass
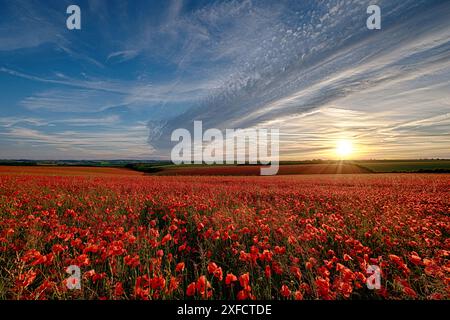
(417,166)
(152,167)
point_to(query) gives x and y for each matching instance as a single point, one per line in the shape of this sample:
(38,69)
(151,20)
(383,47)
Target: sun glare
(344,148)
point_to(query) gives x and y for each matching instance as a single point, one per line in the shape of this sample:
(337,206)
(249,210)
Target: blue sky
(140,69)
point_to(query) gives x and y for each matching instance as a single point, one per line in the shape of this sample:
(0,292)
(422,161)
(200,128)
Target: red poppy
(244,281)
(173,284)
(218,274)
(230,278)
(180,267)
(409,292)
(118,289)
(166,239)
(347,257)
(202,286)
(57,248)
(157,283)
(212,267)
(83,260)
(268,272)
(296,272)
(285,292)
(190,291)
(243,295)
(130,261)
(415,259)
(298,295)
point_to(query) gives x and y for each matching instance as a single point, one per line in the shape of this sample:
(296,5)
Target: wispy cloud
(334,61)
(98,94)
(72,100)
(120,143)
(121,56)
(310,68)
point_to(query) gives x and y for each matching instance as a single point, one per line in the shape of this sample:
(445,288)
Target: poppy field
(210,237)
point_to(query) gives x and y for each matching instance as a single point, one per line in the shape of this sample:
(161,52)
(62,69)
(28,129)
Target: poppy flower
(244,280)
(157,283)
(267,272)
(347,257)
(298,295)
(218,274)
(132,262)
(242,295)
(180,267)
(57,248)
(83,260)
(190,291)
(230,278)
(285,292)
(409,292)
(296,272)
(173,284)
(166,239)
(202,286)
(212,267)
(415,259)
(118,289)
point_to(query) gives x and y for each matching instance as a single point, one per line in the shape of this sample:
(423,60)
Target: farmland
(385,166)
(248,170)
(167,168)
(223,237)
(67,171)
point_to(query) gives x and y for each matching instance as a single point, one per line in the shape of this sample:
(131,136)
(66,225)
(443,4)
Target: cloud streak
(337,63)
(311,69)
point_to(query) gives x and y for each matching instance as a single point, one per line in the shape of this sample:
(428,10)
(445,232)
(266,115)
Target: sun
(344,148)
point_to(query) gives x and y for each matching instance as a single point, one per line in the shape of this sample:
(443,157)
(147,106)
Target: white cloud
(122,142)
(121,56)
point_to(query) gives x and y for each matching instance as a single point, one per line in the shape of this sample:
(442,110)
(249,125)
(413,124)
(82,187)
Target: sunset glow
(344,148)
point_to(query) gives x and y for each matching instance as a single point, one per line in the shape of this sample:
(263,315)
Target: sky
(138,70)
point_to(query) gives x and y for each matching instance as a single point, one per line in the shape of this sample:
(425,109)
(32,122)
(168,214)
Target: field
(406,165)
(67,171)
(286,169)
(223,237)
(167,168)
(300,167)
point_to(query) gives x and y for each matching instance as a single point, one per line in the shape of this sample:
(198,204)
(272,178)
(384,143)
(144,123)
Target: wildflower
(212,267)
(267,272)
(230,278)
(118,289)
(173,284)
(415,259)
(296,272)
(57,248)
(347,257)
(298,295)
(202,286)
(180,267)
(157,283)
(166,239)
(215,270)
(130,261)
(190,291)
(244,281)
(285,292)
